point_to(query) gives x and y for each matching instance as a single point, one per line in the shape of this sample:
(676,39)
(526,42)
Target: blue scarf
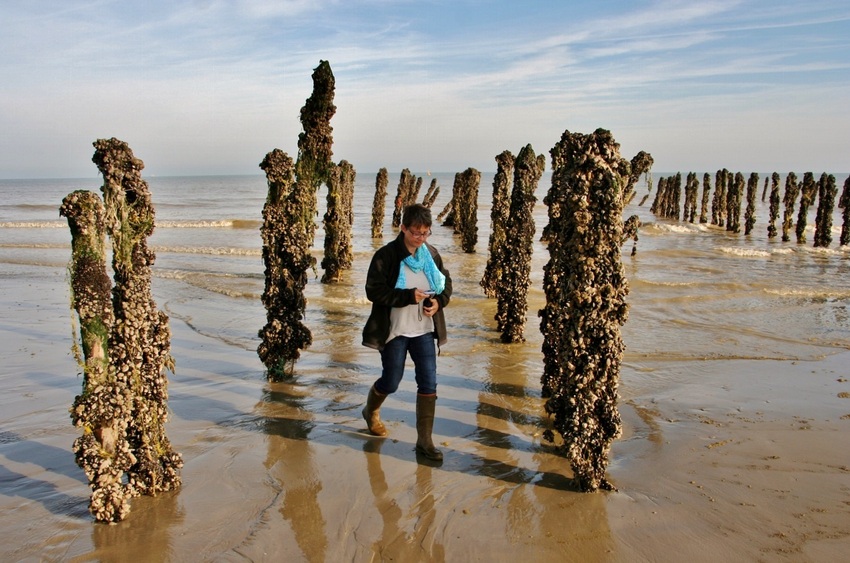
(418,262)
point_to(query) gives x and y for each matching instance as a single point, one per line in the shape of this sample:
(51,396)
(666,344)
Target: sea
(696,291)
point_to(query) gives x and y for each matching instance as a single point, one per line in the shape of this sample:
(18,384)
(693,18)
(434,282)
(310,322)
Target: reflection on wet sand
(152,517)
(290,462)
(395,543)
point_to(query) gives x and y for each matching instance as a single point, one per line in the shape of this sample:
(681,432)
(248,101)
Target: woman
(408,288)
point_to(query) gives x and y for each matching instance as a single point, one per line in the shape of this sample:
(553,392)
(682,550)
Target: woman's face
(415,236)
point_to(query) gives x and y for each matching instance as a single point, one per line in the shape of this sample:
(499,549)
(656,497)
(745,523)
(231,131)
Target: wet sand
(744,460)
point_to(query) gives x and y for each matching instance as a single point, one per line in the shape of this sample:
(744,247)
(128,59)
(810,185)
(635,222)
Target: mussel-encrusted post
(139,346)
(586,291)
(674,187)
(789,199)
(733,203)
(406,182)
(718,202)
(466,209)
(706,194)
(104,409)
(315,144)
(287,258)
(750,213)
(660,193)
(691,191)
(431,194)
(641,165)
(446,217)
(515,267)
(844,204)
(338,221)
(449,213)
(774,205)
(827,191)
(379,203)
(499,213)
(807,197)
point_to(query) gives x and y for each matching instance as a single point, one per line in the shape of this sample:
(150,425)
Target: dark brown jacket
(381,291)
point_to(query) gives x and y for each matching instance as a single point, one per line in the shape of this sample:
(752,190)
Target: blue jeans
(423,352)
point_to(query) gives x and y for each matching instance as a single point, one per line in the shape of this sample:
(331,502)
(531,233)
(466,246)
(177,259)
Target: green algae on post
(124,450)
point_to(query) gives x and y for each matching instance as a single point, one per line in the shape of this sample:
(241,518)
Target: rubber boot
(372,412)
(425,406)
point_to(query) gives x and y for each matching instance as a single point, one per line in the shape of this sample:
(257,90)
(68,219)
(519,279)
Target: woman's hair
(416,214)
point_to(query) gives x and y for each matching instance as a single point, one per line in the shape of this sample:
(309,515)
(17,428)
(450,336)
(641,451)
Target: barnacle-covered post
(718,202)
(287,258)
(774,205)
(431,194)
(657,207)
(449,213)
(446,216)
(790,197)
(844,204)
(104,409)
(586,290)
(641,165)
(630,231)
(338,221)
(315,144)
(706,193)
(402,196)
(499,213)
(733,203)
(827,191)
(379,203)
(691,192)
(807,197)
(515,267)
(140,341)
(673,204)
(466,209)
(750,213)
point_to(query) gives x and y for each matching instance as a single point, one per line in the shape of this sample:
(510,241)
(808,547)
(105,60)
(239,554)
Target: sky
(209,87)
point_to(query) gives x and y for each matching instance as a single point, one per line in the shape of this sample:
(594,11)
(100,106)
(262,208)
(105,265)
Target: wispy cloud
(241,69)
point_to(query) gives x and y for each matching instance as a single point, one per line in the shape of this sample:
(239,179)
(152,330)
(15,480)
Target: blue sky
(210,86)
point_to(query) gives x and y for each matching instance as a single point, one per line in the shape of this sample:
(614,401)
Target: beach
(734,393)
